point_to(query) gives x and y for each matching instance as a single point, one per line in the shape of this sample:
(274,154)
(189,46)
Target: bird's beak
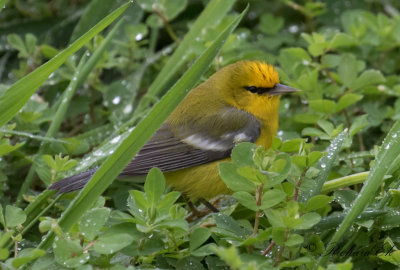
(280,89)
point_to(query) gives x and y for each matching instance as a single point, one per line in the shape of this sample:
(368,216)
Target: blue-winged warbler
(239,103)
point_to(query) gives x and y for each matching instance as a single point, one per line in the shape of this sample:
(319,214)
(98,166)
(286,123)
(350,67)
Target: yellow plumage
(225,88)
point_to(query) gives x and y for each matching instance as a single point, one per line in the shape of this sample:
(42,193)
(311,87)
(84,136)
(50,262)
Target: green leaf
(326,126)
(306,118)
(228,223)
(242,154)
(246,199)
(342,40)
(154,186)
(69,252)
(19,93)
(17,43)
(4,253)
(308,220)
(14,216)
(115,163)
(313,157)
(292,145)
(346,100)
(330,60)
(300,161)
(270,24)
(275,218)
(252,174)
(27,255)
(6,147)
(367,78)
(112,241)
(272,197)
(296,262)
(358,123)
(294,240)
(198,237)
(234,181)
(323,105)
(317,202)
(347,70)
(92,221)
(169,9)
(308,131)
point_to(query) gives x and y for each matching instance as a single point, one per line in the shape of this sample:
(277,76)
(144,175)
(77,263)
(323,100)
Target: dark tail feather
(72,183)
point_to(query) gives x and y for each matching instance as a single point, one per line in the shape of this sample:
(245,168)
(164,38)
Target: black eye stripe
(258,90)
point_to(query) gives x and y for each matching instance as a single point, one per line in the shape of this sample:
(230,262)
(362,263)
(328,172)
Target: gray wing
(175,147)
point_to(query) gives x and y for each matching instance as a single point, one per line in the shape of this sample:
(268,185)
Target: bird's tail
(72,183)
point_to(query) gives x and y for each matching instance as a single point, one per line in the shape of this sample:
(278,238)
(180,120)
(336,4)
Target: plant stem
(259,191)
(268,249)
(171,32)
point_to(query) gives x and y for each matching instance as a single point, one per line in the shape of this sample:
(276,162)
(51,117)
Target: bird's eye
(252,89)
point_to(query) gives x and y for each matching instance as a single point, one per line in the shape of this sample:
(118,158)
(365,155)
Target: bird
(238,103)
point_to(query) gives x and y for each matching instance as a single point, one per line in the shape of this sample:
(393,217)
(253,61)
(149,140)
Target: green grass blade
(345,181)
(19,93)
(138,137)
(312,187)
(387,154)
(31,136)
(3,4)
(213,13)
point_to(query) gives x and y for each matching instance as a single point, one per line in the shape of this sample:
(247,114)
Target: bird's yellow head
(252,86)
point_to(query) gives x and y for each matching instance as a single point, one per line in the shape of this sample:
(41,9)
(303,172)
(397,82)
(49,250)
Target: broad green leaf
(19,93)
(92,221)
(342,40)
(236,182)
(300,161)
(246,199)
(228,223)
(198,237)
(270,24)
(27,255)
(14,216)
(69,252)
(348,69)
(272,197)
(306,118)
(358,123)
(138,137)
(154,186)
(346,100)
(242,154)
(112,241)
(294,240)
(308,131)
(317,202)
(367,78)
(313,157)
(275,218)
(6,147)
(308,220)
(323,105)
(326,126)
(292,145)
